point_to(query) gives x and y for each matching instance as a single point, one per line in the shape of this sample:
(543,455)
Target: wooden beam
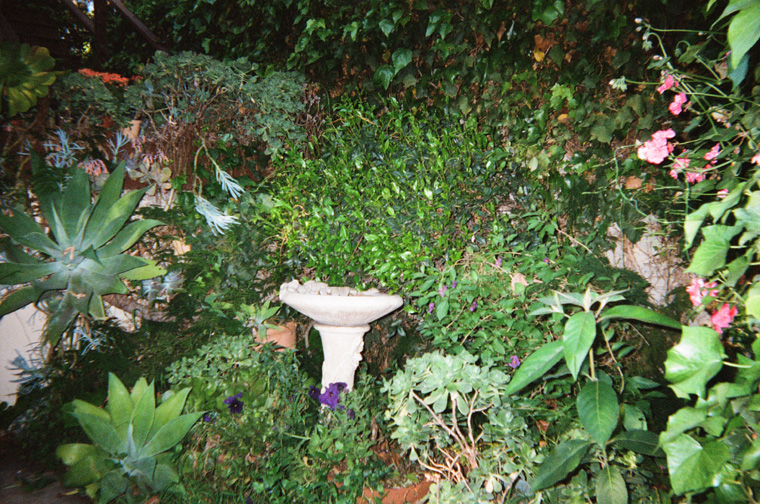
(99,39)
(139,26)
(79,15)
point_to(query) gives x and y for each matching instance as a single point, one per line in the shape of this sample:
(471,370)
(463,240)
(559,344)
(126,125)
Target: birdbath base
(342,347)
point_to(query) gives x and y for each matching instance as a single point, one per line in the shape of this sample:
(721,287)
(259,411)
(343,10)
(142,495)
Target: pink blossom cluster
(657,148)
(699,289)
(723,317)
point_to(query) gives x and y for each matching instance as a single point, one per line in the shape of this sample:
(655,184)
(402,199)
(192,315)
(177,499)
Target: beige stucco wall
(19,331)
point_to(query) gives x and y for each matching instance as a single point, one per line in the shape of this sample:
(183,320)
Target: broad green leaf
(442,309)
(170,434)
(72,453)
(112,485)
(90,409)
(639,441)
(384,75)
(18,273)
(401,58)
(751,459)
(693,466)
(610,486)
(75,200)
(598,406)
(630,312)
(560,462)
(694,361)
(127,237)
(99,232)
(101,433)
(711,254)
(743,32)
(141,385)
(119,402)
(168,410)
(633,418)
(682,420)
(579,335)
(142,416)
(386,26)
(88,470)
(18,299)
(165,477)
(535,366)
(692,223)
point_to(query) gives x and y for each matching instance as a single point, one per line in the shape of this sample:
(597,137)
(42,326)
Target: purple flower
(314,392)
(498,262)
(234,403)
(351,414)
(442,290)
(514,362)
(331,396)
(208,418)
(431,307)
(546,260)
(473,306)
(454,284)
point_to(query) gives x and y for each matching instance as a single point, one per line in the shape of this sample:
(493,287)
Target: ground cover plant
(466,155)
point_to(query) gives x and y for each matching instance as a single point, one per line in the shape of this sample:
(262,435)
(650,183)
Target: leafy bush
(264,436)
(387,194)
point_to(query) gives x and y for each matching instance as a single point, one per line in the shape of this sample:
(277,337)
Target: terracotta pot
(282,335)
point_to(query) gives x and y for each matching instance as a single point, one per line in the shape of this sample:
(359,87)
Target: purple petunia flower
(498,262)
(234,403)
(314,392)
(331,396)
(473,306)
(442,290)
(431,307)
(514,362)
(454,284)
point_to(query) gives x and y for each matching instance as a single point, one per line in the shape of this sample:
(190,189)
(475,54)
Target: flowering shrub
(711,444)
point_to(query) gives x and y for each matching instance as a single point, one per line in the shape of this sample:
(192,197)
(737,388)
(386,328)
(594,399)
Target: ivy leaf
(693,466)
(386,26)
(610,486)
(401,58)
(580,332)
(384,75)
(560,463)
(598,406)
(711,254)
(694,361)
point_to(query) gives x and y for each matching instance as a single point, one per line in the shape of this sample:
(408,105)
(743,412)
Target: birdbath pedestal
(342,315)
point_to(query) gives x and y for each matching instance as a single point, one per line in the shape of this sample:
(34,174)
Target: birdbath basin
(342,316)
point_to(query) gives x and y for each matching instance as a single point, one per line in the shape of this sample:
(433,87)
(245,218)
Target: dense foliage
(476,158)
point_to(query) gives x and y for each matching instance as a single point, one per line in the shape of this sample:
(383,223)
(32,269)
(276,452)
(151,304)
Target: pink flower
(94,167)
(694,177)
(498,262)
(756,159)
(713,153)
(722,193)
(677,104)
(657,148)
(679,165)
(699,289)
(723,317)
(667,84)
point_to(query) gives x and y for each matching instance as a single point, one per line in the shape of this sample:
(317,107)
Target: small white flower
(217,221)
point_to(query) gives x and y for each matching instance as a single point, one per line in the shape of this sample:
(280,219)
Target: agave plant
(131,439)
(82,256)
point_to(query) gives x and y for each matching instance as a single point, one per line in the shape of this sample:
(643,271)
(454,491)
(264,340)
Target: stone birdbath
(342,316)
